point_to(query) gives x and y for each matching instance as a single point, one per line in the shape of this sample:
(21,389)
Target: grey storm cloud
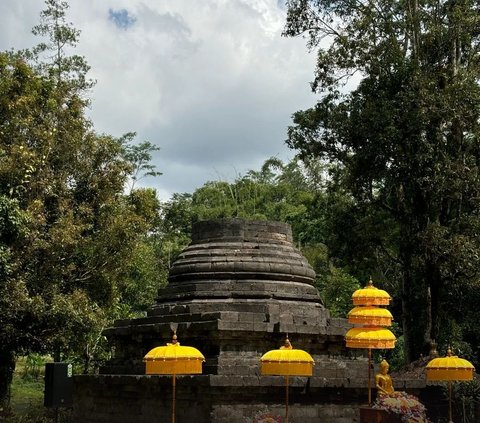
(214,86)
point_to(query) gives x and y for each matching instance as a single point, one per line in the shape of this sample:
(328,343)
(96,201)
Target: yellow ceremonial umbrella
(370,338)
(370,315)
(370,296)
(449,368)
(370,335)
(287,361)
(173,359)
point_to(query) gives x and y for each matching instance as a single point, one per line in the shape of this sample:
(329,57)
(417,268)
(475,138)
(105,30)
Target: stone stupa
(233,293)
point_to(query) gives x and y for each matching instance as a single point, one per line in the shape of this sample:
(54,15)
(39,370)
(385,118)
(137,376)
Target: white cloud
(211,82)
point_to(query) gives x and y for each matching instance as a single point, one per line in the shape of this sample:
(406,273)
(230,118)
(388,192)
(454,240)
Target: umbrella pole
(369,377)
(450,402)
(286,399)
(173,398)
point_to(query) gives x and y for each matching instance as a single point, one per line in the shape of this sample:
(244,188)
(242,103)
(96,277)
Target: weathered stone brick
(233,293)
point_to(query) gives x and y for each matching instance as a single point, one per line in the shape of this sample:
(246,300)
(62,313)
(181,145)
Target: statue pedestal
(375,415)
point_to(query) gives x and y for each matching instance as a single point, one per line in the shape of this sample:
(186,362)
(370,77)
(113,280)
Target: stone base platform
(208,399)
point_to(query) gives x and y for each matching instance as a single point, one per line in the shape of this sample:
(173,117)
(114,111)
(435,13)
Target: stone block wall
(233,293)
(209,399)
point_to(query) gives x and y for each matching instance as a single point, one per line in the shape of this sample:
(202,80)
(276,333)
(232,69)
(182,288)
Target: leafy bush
(34,366)
(466,396)
(336,289)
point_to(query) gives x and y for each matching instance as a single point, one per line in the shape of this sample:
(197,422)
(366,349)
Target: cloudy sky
(210,82)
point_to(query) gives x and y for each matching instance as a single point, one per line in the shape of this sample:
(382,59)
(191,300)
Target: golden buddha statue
(383,381)
(397,402)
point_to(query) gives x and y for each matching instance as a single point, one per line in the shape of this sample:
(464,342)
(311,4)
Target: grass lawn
(26,394)
(26,400)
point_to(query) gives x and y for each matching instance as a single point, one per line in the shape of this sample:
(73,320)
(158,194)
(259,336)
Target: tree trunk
(435,285)
(7,367)
(416,321)
(57,356)
(416,305)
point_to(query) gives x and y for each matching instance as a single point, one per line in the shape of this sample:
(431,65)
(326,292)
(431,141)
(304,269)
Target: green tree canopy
(75,248)
(406,139)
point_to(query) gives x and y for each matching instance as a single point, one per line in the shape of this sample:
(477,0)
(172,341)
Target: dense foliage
(75,249)
(406,143)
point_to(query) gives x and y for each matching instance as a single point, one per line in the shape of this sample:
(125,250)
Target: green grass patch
(26,395)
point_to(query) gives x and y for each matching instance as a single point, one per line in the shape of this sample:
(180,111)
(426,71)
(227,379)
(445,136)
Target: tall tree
(53,55)
(407,137)
(13,296)
(70,238)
